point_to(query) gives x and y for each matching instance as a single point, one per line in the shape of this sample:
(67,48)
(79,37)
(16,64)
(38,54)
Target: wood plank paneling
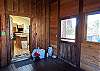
(54,25)
(0,41)
(70,52)
(33,34)
(3,48)
(10,7)
(44,22)
(68,7)
(47,21)
(91,5)
(41,21)
(18,7)
(90,51)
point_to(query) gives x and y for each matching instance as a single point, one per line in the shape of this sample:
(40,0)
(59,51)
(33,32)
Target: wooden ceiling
(52,1)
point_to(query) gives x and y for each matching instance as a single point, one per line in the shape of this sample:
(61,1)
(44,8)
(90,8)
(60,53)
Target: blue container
(50,51)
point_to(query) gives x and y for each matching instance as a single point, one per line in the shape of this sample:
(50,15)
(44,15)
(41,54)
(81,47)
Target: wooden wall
(54,25)
(71,8)
(91,5)
(37,11)
(90,51)
(3,54)
(40,23)
(18,7)
(66,8)
(70,52)
(10,7)
(44,18)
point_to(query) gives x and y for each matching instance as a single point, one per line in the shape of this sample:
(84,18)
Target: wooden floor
(20,51)
(42,65)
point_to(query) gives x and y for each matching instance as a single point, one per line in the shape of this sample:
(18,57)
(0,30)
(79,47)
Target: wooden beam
(79,33)
(49,13)
(59,28)
(0,41)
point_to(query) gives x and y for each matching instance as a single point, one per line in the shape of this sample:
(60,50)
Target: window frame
(86,18)
(68,39)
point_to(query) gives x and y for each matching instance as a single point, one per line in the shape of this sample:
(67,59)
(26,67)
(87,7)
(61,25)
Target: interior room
(19,33)
(49,35)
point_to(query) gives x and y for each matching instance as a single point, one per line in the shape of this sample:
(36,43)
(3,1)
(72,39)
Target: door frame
(9,42)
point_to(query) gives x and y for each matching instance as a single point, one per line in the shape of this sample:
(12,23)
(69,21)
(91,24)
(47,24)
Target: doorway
(19,34)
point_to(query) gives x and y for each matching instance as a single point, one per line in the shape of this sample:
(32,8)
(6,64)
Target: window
(93,27)
(68,28)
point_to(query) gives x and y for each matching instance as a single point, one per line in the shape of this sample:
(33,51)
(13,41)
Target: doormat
(23,63)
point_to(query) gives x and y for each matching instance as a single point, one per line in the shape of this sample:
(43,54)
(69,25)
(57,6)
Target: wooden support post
(79,33)
(0,41)
(49,13)
(59,29)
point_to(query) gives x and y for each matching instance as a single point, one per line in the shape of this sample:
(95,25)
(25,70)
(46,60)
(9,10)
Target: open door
(11,35)
(10,48)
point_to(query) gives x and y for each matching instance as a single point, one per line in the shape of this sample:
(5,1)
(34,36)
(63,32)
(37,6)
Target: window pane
(93,28)
(68,27)
(63,29)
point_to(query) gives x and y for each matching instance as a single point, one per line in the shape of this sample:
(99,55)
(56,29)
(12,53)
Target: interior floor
(20,53)
(48,64)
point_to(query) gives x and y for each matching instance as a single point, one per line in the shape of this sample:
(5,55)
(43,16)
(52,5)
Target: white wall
(18,20)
